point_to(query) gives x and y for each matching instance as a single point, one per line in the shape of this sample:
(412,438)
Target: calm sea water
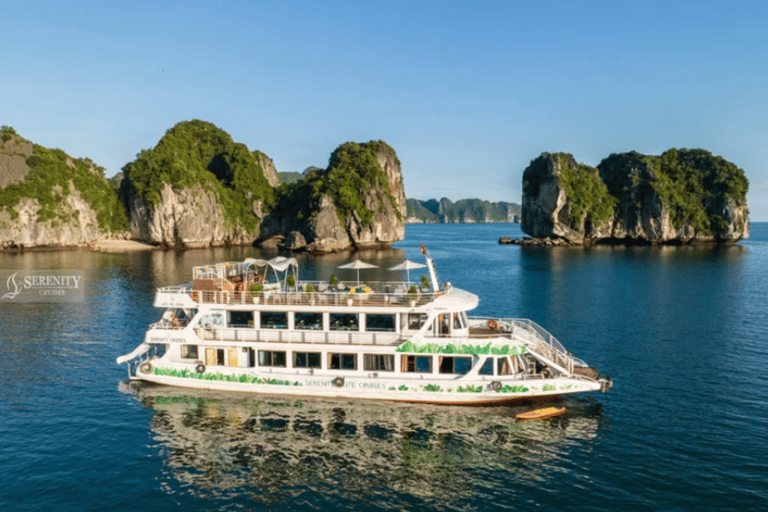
(682,331)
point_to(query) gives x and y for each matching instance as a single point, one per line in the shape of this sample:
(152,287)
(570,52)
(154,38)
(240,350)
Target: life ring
(200,368)
(493,324)
(146,367)
(338,382)
(496,386)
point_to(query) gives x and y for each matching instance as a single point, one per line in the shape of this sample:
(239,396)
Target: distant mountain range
(463,211)
(293,177)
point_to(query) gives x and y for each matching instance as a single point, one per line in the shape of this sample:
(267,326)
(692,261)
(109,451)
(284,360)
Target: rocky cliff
(48,198)
(268,168)
(462,211)
(357,201)
(197,187)
(681,196)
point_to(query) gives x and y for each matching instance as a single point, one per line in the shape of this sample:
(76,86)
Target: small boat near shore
(254,327)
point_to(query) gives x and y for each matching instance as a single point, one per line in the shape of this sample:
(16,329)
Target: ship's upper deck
(275,282)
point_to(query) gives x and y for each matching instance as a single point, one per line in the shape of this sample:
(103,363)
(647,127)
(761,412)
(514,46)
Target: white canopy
(357,265)
(278,264)
(281,263)
(407,265)
(253,261)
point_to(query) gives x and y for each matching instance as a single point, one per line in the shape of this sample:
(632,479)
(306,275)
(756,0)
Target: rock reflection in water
(273,450)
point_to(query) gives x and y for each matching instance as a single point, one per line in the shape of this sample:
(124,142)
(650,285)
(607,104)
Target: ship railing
(170,324)
(374,295)
(302,336)
(536,338)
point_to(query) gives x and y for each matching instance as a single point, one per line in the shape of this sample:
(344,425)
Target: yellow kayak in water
(539,414)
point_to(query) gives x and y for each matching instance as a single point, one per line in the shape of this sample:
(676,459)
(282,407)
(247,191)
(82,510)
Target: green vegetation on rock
(416,210)
(588,195)
(51,171)
(691,183)
(199,153)
(353,170)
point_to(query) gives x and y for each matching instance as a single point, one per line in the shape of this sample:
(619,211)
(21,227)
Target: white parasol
(407,265)
(357,265)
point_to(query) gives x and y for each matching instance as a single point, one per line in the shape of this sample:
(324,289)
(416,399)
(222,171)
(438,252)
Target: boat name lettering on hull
(329,383)
(156,339)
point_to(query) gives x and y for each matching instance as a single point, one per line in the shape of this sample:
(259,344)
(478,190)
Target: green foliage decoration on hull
(241,378)
(451,349)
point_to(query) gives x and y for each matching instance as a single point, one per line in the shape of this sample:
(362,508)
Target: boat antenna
(431,266)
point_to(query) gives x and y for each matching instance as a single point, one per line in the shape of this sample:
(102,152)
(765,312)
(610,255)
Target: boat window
(337,361)
(503,366)
(379,362)
(442,321)
(274,320)
(459,365)
(487,368)
(457,321)
(414,321)
(306,360)
(272,358)
(380,323)
(345,322)
(418,364)
(212,320)
(309,321)
(189,351)
(240,318)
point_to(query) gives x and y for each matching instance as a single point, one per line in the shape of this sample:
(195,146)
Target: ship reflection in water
(272,450)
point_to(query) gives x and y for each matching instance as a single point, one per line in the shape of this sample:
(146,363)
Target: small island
(683,196)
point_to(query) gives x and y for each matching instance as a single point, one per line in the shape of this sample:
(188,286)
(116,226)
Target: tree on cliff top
(199,153)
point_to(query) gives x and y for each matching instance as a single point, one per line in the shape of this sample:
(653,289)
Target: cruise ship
(255,327)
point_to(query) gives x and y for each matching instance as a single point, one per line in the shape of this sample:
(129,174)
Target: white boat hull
(449,392)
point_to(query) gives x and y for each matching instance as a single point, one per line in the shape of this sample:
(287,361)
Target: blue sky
(467,93)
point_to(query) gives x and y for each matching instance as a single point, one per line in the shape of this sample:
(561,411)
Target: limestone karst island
(680,197)
(197,188)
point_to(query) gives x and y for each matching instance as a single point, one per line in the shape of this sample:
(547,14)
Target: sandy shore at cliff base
(110,245)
